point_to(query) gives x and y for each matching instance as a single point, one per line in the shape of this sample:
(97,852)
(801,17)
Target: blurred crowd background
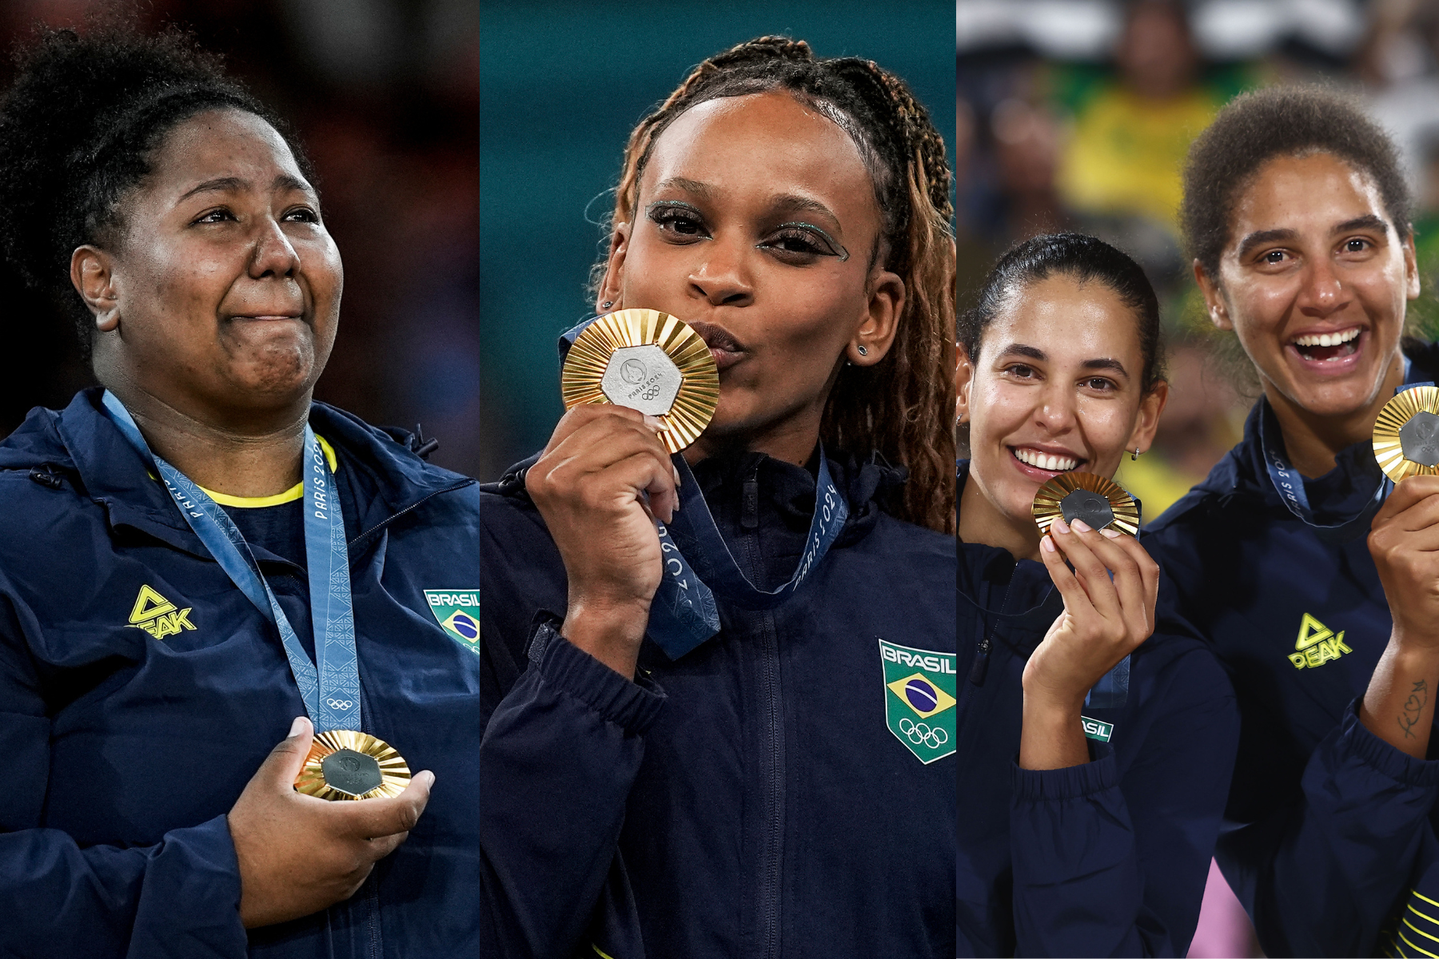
(562,86)
(385,96)
(1078,114)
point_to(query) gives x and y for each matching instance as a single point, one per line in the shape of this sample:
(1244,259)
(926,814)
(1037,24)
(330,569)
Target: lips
(726,350)
(1328,351)
(1042,464)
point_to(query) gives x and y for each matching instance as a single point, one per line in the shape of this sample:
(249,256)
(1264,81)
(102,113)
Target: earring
(1135,454)
(863,350)
(607,304)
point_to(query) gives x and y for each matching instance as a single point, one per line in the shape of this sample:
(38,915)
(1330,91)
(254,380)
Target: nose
(1056,410)
(721,276)
(1323,292)
(273,254)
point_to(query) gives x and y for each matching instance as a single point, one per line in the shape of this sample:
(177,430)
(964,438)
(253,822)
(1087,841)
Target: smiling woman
(220,554)
(797,786)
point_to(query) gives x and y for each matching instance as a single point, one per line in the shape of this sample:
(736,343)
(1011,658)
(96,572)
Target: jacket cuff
(1355,738)
(196,866)
(633,706)
(1072,782)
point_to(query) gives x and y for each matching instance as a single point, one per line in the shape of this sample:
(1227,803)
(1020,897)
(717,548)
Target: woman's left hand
(1109,601)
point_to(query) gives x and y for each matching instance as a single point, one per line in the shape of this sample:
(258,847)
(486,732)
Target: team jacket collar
(82,442)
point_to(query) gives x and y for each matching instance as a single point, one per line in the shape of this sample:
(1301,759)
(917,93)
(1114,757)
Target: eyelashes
(794,242)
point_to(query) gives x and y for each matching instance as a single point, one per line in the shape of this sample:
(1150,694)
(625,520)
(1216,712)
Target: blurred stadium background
(1077,114)
(384,95)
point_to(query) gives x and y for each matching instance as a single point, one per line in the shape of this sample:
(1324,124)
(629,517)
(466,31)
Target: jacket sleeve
(1111,865)
(558,760)
(1322,873)
(179,897)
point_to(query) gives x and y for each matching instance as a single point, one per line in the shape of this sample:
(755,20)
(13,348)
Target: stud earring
(607,304)
(863,350)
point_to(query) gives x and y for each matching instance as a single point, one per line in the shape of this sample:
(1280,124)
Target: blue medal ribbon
(330,687)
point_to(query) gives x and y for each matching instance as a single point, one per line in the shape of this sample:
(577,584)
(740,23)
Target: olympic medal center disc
(1094,499)
(648,361)
(345,764)
(1406,435)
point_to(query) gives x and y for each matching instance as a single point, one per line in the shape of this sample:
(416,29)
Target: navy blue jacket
(1325,819)
(1108,858)
(747,800)
(124,749)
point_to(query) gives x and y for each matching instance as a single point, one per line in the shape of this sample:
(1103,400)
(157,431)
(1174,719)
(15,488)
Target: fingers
(1092,574)
(1129,596)
(590,441)
(1076,600)
(380,818)
(1407,493)
(282,766)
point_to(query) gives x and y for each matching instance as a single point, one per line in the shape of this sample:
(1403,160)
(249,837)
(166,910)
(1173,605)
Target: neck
(789,442)
(981,523)
(1313,441)
(254,459)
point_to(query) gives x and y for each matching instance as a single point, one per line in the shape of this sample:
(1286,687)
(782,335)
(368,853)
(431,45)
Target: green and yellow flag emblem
(458,613)
(919,699)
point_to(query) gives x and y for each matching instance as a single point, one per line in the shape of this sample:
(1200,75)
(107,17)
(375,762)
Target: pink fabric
(1224,931)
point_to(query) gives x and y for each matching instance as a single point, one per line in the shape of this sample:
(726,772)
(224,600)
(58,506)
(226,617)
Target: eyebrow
(235,184)
(1366,222)
(1034,353)
(779,203)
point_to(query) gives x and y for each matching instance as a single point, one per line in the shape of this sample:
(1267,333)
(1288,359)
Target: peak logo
(1316,644)
(158,616)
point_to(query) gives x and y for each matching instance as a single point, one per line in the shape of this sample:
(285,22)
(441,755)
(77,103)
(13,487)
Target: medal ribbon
(1289,484)
(684,613)
(330,687)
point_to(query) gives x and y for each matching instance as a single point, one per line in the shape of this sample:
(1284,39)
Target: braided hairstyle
(77,133)
(899,408)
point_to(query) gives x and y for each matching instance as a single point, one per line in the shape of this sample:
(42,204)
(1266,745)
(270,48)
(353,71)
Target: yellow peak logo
(1316,644)
(158,616)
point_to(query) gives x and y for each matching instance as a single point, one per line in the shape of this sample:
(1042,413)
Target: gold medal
(345,764)
(648,361)
(1094,499)
(1406,435)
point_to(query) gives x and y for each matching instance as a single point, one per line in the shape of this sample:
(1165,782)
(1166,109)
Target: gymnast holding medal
(195,553)
(719,684)
(1097,841)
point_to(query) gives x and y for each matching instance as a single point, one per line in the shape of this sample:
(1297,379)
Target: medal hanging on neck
(1084,496)
(343,763)
(652,362)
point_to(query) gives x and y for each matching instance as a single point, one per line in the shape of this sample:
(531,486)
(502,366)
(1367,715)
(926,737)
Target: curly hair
(1084,258)
(899,408)
(1280,121)
(78,130)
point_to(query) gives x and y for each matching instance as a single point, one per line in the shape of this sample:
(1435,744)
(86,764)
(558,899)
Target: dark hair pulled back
(1256,127)
(895,408)
(77,133)
(1086,259)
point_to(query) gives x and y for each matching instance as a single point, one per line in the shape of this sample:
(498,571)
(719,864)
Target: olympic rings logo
(339,703)
(923,734)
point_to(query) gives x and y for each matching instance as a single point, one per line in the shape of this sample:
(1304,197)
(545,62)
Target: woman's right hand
(587,486)
(299,854)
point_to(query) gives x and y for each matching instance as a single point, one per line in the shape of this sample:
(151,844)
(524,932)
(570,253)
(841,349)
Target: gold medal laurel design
(1388,448)
(699,390)
(394,774)
(1046,508)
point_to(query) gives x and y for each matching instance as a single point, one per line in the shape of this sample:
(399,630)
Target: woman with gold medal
(195,553)
(719,689)
(1309,571)
(1096,733)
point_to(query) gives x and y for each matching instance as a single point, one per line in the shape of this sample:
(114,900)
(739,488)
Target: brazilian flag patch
(919,699)
(458,613)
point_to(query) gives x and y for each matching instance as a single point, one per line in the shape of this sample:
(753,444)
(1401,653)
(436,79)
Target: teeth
(1045,461)
(1327,339)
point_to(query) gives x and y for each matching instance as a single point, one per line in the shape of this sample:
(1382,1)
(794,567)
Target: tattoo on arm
(1413,706)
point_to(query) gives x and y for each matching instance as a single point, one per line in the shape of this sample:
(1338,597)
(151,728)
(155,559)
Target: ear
(1411,267)
(881,321)
(1213,299)
(92,275)
(613,284)
(963,380)
(1147,423)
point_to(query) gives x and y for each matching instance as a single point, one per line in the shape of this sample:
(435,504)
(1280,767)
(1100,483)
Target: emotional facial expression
(227,283)
(755,223)
(1314,281)
(1056,387)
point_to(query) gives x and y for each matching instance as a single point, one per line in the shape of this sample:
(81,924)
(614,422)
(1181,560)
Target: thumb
(283,764)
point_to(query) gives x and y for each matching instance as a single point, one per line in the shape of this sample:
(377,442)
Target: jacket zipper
(980,668)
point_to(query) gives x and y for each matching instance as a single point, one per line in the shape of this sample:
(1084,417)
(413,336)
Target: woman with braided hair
(786,785)
(145,678)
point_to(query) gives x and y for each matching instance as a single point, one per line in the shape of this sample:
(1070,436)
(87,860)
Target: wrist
(610,631)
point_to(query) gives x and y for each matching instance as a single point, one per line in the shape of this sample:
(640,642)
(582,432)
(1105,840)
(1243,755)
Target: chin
(275,375)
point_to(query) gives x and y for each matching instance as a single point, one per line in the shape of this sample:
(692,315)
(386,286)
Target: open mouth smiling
(1327,347)
(1040,460)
